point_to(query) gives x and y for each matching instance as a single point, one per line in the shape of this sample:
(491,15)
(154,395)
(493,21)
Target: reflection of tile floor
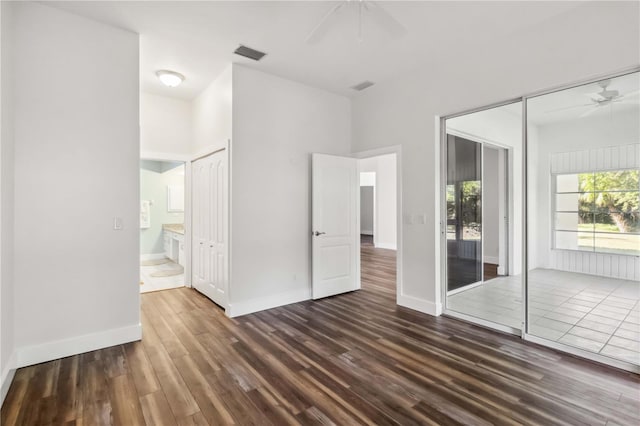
(586,311)
(159,283)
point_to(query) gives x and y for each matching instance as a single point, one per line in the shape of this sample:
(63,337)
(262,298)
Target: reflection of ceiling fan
(365,9)
(603,98)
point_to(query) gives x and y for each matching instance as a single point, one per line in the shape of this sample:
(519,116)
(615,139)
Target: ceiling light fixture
(170,78)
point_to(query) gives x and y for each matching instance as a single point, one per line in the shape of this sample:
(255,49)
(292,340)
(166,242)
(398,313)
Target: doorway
(378,223)
(357,246)
(163,256)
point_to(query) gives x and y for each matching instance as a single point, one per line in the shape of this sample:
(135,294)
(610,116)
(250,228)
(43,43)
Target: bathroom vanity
(173,234)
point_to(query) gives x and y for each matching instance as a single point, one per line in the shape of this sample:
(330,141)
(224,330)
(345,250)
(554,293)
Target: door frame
(397,150)
(186,159)
(226,147)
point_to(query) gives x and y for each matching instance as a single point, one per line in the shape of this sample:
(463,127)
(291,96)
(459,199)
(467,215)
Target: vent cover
(361,86)
(250,53)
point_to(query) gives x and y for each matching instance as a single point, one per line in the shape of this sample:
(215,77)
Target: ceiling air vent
(250,53)
(361,86)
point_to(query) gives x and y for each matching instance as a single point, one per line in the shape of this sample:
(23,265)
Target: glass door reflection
(464,213)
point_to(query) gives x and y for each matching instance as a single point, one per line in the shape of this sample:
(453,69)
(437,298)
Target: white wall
(366,209)
(385,228)
(277,125)
(7,287)
(153,187)
(76,168)
(212,115)
(589,133)
(403,111)
(165,125)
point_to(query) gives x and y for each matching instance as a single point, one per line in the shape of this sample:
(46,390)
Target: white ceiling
(197,38)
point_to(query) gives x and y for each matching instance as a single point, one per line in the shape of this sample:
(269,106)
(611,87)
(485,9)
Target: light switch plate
(117,223)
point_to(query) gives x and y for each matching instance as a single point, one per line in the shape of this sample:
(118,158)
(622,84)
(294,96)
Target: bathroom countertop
(178,228)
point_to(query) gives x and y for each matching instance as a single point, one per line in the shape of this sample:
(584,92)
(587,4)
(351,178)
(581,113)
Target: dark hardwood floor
(350,359)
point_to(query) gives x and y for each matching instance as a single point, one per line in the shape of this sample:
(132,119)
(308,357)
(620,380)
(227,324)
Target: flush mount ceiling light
(170,78)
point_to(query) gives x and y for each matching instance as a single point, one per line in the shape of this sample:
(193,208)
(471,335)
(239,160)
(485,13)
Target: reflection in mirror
(484,216)
(584,217)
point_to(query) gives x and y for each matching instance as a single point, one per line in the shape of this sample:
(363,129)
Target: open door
(335,225)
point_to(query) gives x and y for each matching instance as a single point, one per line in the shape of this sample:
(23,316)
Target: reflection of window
(598,212)
(464,211)
(451,212)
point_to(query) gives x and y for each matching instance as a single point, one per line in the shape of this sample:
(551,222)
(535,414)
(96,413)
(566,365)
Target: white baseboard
(268,302)
(7,377)
(36,354)
(419,305)
(492,260)
(152,256)
(366,232)
(387,246)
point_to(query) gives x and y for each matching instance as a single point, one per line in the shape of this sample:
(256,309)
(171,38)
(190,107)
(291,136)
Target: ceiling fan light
(170,78)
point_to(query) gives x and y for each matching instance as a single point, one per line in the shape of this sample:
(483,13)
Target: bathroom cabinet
(174,246)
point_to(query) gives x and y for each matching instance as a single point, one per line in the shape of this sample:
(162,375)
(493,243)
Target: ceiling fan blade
(569,107)
(385,20)
(321,29)
(634,93)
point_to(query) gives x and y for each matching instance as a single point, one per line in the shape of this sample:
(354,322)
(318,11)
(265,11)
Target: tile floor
(598,314)
(159,283)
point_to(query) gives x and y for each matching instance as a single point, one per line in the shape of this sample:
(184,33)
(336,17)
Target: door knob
(316,233)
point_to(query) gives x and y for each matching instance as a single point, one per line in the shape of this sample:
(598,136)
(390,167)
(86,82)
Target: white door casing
(335,225)
(210,226)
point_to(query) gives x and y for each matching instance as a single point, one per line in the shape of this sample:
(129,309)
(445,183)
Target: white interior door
(199,274)
(211,226)
(335,225)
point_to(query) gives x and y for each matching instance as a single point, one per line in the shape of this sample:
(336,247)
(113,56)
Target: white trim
(491,259)
(164,156)
(464,288)
(385,246)
(420,305)
(366,232)
(482,322)
(211,149)
(7,376)
(440,217)
(49,351)
(152,256)
(475,138)
(263,303)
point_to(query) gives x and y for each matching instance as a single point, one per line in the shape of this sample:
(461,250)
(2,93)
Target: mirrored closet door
(483,159)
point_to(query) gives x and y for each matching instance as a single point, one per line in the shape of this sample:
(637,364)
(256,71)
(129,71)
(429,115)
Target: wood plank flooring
(350,359)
